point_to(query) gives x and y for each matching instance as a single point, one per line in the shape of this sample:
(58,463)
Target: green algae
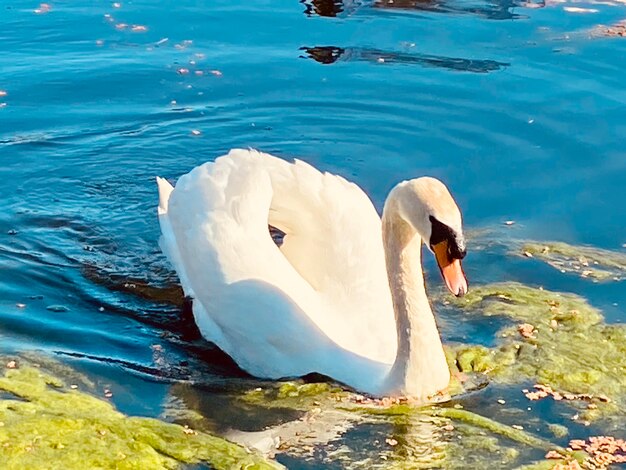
(494,427)
(422,436)
(454,438)
(464,416)
(570,349)
(558,430)
(586,262)
(43,421)
(293,394)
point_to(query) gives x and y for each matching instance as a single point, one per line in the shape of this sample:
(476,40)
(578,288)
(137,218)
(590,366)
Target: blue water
(515,105)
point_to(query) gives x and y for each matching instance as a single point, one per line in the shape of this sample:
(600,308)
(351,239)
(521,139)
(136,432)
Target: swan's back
(279,311)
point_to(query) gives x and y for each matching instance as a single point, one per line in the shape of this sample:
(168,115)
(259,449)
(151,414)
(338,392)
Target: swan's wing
(218,242)
(248,299)
(334,240)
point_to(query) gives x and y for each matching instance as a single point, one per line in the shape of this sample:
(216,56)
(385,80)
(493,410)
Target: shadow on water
(331,54)
(492,10)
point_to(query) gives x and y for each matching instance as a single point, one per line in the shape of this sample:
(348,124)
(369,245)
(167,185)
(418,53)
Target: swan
(343,295)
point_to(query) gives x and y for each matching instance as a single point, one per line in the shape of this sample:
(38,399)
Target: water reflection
(494,10)
(332,54)
(329,8)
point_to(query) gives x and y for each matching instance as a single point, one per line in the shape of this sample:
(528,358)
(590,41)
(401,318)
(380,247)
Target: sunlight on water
(517,105)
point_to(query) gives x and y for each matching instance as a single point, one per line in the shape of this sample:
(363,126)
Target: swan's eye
(455,243)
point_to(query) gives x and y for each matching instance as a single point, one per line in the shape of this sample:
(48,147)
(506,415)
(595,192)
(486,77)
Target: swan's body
(322,301)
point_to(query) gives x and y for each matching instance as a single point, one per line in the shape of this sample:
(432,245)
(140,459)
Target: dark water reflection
(496,10)
(330,54)
(328,8)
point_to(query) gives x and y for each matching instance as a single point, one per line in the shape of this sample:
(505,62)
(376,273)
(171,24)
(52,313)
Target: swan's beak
(451,270)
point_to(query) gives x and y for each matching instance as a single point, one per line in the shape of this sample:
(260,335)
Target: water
(515,105)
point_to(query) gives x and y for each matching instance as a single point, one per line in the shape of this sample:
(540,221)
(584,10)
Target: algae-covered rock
(586,262)
(570,349)
(42,421)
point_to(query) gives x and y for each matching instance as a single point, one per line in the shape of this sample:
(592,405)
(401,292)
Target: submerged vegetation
(587,262)
(556,339)
(43,421)
(436,436)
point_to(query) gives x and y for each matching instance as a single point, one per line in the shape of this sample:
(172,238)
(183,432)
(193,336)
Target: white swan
(343,296)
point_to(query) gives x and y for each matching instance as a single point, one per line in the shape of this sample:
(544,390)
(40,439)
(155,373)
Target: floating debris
(195,132)
(217,73)
(20,305)
(603,450)
(612,31)
(526,330)
(182,71)
(184,45)
(57,308)
(553,454)
(544,391)
(587,262)
(580,10)
(138,28)
(43,8)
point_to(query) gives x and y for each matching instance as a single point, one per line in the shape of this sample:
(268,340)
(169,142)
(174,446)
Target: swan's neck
(420,369)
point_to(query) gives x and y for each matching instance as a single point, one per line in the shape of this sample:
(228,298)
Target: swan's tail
(167,241)
(169,246)
(165,190)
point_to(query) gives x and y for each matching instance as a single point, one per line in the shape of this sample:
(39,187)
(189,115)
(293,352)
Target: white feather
(321,303)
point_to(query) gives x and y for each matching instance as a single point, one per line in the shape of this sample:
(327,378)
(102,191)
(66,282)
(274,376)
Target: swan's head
(428,206)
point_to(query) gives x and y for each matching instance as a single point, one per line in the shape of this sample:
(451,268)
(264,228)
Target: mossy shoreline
(43,421)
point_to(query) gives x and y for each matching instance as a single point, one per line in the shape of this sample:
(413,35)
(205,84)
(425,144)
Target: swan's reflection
(331,54)
(326,433)
(323,434)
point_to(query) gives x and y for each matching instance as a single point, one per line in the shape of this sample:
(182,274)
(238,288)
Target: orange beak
(451,270)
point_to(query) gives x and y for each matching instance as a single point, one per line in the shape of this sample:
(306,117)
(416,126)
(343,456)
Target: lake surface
(519,107)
